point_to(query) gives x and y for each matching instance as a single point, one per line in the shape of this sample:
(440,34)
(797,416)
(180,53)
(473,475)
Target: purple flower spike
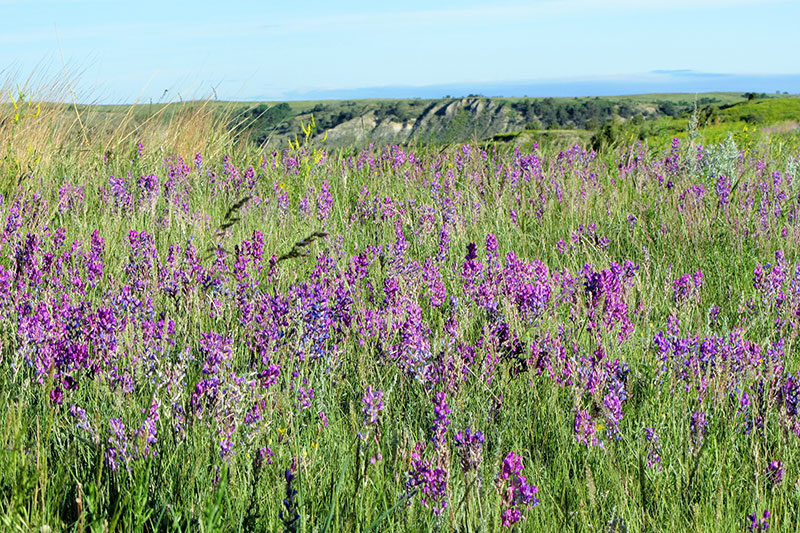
(441,411)
(373,405)
(515,492)
(470,448)
(756,524)
(775,472)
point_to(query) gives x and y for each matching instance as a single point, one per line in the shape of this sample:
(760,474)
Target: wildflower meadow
(199,333)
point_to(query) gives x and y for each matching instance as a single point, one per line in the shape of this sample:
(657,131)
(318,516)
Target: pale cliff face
(452,120)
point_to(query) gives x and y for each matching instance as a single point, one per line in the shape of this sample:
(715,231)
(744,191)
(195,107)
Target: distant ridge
(358,122)
(657,81)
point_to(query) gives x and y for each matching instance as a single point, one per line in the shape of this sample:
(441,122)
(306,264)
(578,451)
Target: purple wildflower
(428,478)
(585,430)
(117,449)
(373,405)
(491,244)
(756,524)
(516,493)
(291,518)
(264,455)
(82,420)
(775,472)
(441,411)
(470,447)
(654,453)
(324,202)
(698,426)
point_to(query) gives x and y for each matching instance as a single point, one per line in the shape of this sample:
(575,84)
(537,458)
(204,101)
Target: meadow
(202,334)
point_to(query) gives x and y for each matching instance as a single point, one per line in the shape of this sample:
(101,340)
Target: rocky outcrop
(368,128)
(450,120)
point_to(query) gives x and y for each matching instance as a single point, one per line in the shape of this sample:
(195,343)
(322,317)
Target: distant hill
(360,122)
(591,121)
(654,82)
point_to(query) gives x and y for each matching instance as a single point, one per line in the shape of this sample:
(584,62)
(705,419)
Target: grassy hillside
(654,118)
(769,111)
(647,116)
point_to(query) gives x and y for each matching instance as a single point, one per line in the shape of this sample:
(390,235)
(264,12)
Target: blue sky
(244,50)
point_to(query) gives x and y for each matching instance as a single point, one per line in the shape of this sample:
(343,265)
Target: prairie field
(203,333)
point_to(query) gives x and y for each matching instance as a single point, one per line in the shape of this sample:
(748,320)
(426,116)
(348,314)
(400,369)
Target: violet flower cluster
(516,494)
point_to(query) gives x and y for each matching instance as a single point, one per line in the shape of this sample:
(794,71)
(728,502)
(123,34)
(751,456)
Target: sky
(121,52)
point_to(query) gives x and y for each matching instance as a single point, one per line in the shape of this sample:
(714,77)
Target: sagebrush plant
(202,334)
